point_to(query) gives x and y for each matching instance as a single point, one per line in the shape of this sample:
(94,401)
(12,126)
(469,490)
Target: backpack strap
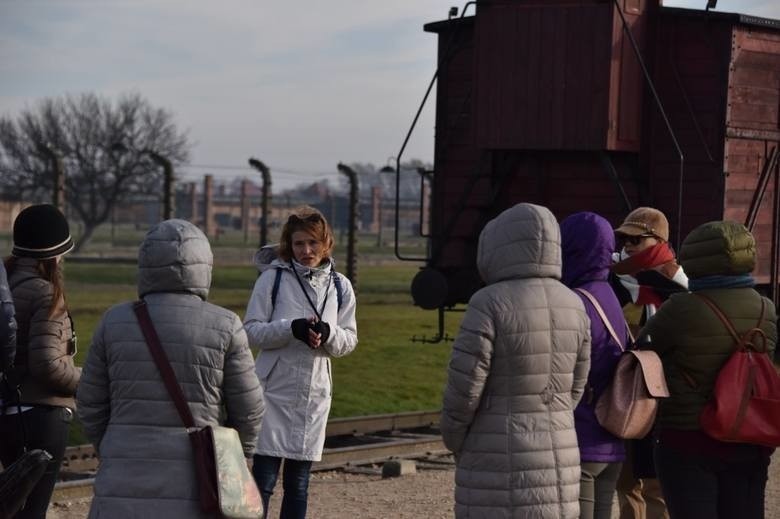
(602,315)
(275,289)
(746,340)
(339,290)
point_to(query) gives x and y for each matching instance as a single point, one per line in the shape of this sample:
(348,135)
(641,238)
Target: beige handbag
(628,406)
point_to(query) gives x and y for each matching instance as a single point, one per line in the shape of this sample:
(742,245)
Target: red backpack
(745,402)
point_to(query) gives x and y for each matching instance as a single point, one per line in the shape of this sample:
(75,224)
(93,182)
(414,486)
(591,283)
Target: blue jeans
(46,428)
(295,481)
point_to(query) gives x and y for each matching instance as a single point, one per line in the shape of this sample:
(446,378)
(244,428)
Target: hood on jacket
(175,256)
(265,256)
(718,248)
(587,244)
(522,242)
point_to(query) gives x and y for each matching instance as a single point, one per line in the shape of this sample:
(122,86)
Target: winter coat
(7,323)
(146,462)
(690,339)
(45,340)
(297,379)
(587,242)
(518,368)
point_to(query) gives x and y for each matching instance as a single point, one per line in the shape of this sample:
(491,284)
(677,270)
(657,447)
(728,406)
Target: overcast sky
(299,85)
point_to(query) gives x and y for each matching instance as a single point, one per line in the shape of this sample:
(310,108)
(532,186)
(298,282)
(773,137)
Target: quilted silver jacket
(146,463)
(518,368)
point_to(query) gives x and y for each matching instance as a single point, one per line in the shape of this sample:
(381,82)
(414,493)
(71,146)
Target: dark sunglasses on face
(636,240)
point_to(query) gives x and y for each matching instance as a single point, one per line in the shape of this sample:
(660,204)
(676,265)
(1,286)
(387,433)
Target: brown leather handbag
(628,406)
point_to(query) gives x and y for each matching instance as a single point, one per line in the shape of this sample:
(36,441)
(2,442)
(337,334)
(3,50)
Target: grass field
(386,373)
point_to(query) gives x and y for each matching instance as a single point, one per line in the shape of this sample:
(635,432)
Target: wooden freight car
(600,106)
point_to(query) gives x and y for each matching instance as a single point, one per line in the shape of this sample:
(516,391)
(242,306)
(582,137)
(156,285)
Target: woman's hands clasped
(310,331)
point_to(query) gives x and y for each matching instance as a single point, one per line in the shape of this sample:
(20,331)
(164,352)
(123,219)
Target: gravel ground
(337,495)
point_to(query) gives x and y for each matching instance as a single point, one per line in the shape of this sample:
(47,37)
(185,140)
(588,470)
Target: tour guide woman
(301,313)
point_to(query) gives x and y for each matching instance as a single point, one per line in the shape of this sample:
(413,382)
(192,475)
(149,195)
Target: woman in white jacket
(301,313)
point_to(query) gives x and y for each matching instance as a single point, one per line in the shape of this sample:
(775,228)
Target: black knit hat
(41,232)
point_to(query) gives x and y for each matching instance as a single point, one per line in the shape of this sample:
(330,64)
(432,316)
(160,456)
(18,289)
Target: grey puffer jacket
(146,462)
(518,368)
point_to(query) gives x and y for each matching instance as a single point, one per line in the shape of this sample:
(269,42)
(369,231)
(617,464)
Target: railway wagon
(600,106)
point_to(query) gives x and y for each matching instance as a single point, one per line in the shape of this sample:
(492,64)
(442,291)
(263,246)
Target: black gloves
(323,329)
(300,330)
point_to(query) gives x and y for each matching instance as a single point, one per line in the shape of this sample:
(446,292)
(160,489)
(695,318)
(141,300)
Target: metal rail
(376,438)
(400,153)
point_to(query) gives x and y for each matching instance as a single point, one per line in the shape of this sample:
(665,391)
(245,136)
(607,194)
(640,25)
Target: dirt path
(336,495)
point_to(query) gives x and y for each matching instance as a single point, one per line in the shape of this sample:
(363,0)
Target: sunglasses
(636,240)
(310,218)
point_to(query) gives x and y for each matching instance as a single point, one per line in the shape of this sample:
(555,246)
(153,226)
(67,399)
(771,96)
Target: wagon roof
(735,18)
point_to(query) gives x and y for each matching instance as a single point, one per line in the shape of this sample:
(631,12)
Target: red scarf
(649,258)
(659,257)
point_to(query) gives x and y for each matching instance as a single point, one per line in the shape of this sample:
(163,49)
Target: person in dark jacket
(644,275)
(587,243)
(44,375)
(703,478)
(7,324)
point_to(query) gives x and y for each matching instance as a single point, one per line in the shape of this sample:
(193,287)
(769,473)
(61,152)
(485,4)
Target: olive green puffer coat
(692,341)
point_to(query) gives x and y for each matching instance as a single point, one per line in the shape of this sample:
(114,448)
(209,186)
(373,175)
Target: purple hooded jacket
(587,242)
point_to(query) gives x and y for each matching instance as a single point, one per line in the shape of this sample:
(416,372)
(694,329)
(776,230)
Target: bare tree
(106,152)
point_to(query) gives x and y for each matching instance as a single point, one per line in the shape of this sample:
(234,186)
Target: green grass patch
(387,372)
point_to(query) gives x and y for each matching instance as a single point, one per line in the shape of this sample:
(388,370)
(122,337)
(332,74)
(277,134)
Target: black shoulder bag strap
(163,364)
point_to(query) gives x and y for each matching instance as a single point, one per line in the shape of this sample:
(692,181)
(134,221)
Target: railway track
(350,442)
